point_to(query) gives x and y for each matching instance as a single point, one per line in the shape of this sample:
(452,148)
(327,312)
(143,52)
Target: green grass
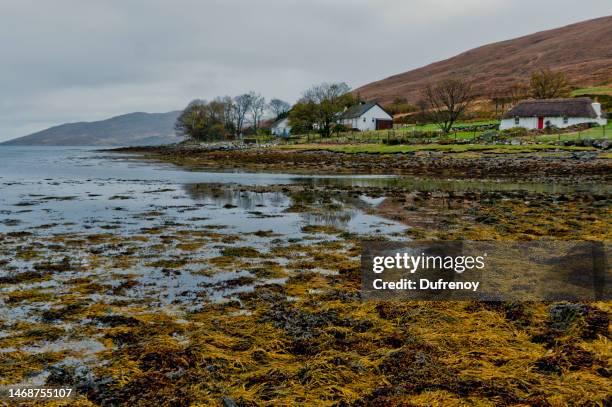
(400,133)
(403,134)
(450,148)
(592,133)
(382,134)
(600,90)
(434,127)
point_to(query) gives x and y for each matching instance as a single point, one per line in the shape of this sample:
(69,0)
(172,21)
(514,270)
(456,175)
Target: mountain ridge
(136,128)
(582,50)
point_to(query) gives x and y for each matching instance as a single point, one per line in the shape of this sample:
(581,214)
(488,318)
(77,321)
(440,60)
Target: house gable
(357,111)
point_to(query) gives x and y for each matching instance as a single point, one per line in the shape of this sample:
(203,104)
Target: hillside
(583,51)
(125,130)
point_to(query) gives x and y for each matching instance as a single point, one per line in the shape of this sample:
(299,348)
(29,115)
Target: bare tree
(422,106)
(278,107)
(546,84)
(257,109)
(518,92)
(228,112)
(241,106)
(447,101)
(326,101)
(500,100)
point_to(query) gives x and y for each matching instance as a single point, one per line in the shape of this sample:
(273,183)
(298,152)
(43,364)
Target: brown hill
(582,50)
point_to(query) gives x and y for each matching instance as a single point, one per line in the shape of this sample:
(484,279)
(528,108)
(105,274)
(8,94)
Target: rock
(228,402)
(602,144)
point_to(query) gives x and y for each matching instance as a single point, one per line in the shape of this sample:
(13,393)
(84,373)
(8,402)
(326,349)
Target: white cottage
(541,113)
(366,116)
(281,128)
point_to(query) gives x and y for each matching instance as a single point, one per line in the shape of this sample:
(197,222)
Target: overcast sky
(74,60)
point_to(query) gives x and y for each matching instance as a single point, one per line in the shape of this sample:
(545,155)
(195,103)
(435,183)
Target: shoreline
(557,166)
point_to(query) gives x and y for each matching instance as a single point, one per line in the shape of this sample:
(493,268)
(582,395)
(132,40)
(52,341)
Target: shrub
(514,132)
(488,136)
(340,128)
(400,105)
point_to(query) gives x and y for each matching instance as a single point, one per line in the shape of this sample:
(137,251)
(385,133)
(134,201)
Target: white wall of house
(531,123)
(367,121)
(281,129)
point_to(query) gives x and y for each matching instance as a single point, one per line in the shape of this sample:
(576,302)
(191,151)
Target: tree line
(226,117)
(320,107)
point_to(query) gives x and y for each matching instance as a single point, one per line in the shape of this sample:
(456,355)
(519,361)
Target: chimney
(597,108)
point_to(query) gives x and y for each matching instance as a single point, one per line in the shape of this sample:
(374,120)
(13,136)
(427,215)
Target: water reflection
(310,207)
(224,195)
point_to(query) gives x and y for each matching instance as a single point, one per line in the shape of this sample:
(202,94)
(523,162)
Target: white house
(281,128)
(366,116)
(538,114)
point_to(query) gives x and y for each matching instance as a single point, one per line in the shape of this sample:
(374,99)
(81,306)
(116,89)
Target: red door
(540,123)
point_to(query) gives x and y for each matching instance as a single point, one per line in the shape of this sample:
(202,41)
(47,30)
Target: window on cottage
(517,120)
(364,119)
(565,120)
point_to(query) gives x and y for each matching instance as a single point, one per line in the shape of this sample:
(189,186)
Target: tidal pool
(55,190)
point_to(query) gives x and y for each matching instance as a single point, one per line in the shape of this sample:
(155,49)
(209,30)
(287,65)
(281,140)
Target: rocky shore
(543,166)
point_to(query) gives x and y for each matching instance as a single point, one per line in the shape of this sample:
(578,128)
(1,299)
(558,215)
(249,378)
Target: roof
(279,121)
(570,107)
(358,110)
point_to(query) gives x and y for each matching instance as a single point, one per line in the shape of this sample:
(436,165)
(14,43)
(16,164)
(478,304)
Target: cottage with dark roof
(366,116)
(541,113)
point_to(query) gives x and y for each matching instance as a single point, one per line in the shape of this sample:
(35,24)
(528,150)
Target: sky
(73,60)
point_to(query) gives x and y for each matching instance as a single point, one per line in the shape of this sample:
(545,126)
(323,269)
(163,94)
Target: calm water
(64,189)
(59,190)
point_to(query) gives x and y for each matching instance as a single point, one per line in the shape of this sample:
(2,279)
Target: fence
(462,134)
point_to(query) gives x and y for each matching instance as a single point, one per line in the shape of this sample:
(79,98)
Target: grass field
(450,148)
(433,127)
(600,90)
(593,133)
(401,132)
(403,137)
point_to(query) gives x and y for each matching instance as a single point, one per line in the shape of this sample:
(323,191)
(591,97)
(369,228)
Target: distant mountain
(582,50)
(125,130)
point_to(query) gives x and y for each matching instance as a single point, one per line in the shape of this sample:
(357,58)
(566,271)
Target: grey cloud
(72,60)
